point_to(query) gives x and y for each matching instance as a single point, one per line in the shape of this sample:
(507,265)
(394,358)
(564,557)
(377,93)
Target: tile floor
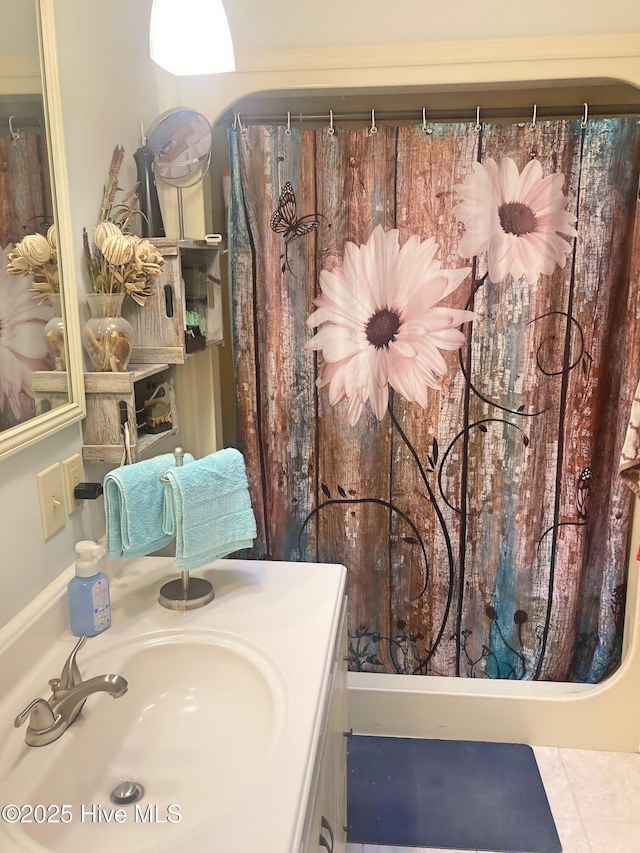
(594,797)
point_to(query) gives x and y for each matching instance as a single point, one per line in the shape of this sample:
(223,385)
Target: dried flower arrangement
(121,262)
(37,256)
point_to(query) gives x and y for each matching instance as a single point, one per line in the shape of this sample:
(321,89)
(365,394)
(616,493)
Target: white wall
(19,39)
(256,24)
(108,87)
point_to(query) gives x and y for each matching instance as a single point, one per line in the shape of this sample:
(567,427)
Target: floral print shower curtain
(436,345)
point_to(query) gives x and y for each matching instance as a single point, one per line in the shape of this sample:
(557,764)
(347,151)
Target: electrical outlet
(73,475)
(51,497)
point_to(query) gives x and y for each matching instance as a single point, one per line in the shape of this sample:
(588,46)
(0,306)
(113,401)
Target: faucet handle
(70,672)
(45,725)
(42,717)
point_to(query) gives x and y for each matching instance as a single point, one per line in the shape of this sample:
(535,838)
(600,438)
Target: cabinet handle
(168,300)
(328,845)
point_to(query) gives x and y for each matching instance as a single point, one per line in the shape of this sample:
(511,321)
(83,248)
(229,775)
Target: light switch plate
(51,498)
(73,475)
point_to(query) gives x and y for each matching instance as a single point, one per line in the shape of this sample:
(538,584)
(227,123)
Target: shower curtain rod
(469,114)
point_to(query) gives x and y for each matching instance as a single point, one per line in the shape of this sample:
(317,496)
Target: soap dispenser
(88,591)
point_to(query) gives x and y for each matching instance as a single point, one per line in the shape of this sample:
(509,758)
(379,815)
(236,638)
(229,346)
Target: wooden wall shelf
(115,399)
(189,282)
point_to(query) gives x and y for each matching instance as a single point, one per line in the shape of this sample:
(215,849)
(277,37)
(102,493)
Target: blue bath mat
(464,795)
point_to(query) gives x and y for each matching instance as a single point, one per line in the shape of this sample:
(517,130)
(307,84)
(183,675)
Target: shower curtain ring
(478,125)
(585,116)
(425,127)
(373,129)
(238,124)
(14,134)
(288,130)
(535,113)
(331,129)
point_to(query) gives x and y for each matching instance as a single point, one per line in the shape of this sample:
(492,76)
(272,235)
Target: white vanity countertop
(287,611)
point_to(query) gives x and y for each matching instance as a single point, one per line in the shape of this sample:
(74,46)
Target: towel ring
(185,592)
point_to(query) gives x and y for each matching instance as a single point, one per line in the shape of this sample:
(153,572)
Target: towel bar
(185,592)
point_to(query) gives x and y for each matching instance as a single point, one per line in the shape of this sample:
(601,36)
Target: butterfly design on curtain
(583,491)
(285,221)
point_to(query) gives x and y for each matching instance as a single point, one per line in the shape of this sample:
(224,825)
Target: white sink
(195,704)
(218,725)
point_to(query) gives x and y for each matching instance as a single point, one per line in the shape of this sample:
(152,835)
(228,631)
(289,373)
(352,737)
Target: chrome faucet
(49,719)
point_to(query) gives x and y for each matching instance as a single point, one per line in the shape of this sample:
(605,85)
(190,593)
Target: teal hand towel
(134,505)
(208,508)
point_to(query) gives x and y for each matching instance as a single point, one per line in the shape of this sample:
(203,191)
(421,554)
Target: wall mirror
(41,387)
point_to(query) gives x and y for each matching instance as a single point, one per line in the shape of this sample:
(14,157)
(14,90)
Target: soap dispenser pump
(88,591)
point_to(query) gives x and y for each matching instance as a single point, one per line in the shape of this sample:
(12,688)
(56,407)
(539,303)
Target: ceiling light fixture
(191,37)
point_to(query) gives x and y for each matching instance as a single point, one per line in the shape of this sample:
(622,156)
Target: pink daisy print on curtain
(518,219)
(22,341)
(381,325)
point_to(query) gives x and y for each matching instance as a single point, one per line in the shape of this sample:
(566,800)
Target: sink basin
(219,726)
(198,723)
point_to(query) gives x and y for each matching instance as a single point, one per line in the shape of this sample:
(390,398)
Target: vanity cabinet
(326,821)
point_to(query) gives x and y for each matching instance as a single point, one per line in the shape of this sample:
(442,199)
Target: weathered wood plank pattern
(606,291)
(519,585)
(429,166)
(513,465)
(243,259)
(355,177)
(287,369)
(277,423)
(25,187)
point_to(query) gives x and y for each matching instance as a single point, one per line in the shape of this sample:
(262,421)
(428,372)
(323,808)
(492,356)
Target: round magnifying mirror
(181,143)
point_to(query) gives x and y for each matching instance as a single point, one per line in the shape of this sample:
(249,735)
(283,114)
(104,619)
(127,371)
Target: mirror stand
(180,140)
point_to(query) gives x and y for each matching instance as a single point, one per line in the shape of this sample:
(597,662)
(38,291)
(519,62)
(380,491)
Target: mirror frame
(26,434)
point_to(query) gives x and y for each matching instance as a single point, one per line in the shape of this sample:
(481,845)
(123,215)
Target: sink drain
(127,792)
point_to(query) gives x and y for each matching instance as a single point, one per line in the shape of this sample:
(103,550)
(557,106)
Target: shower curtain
(25,187)
(25,208)
(436,345)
